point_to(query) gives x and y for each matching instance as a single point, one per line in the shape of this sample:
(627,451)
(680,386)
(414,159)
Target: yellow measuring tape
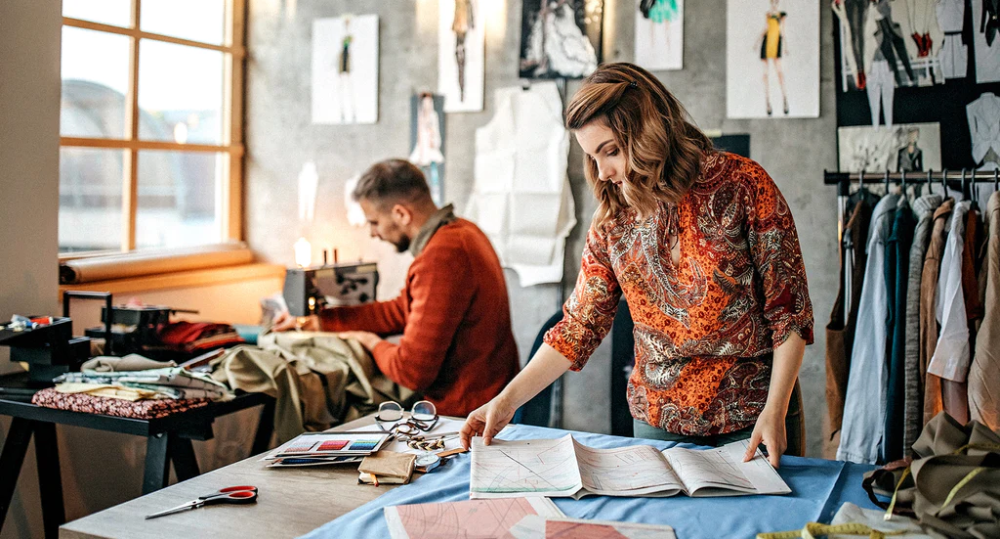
(956,488)
(815,529)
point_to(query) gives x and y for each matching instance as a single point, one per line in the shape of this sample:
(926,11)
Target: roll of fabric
(136,264)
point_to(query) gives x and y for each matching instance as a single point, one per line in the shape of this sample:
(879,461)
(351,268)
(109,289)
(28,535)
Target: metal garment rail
(961,181)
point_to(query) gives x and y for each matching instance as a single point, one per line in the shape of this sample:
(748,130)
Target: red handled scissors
(241,494)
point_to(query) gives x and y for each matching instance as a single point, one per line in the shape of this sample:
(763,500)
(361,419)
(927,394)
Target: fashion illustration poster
(659,34)
(345,70)
(461,48)
(900,148)
(886,44)
(560,38)
(772,59)
(427,140)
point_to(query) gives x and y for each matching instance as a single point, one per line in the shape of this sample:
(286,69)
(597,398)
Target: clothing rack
(961,180)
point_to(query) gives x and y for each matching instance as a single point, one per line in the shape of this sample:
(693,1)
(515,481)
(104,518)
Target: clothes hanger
(930,182)
(902,181)
(861,180)
(996,180)
(887,181)
(944,182)
(965,190)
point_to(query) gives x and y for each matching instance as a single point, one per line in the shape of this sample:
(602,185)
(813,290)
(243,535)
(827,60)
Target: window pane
(115,12)
(94,83)
(90,199)
(180,91)
(177,198)
(197,20)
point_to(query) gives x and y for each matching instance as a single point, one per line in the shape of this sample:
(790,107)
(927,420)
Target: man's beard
(402,244)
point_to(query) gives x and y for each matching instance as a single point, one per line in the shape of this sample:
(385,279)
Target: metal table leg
(49,478)
(157,473)
(11,460)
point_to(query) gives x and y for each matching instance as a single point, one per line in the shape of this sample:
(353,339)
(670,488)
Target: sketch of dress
(556,45)
(954,54)
(426,152)
(345,84)
(984,129)
(463,23)
(987,54)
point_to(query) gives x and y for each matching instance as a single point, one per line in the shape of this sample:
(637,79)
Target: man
(457,346)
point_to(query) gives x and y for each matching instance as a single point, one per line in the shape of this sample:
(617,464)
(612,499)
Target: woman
(704,249)
(772,49)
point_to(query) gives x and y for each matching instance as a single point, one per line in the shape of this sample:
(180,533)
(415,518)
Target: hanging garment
(896,276)
(987,55)
(984,373)
(984,129)
(861,439)
(950,361)
(881,89)
(840,330)
(913,403)
(928,307)
(521,197)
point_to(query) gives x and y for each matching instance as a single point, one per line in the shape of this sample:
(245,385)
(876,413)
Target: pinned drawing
(902,147)
(345,70)
(427,140)
(462,44)
(659,34)
(561,38)
(772,59)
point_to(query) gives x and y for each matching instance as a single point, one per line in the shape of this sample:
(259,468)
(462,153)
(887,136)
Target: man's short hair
(390,181)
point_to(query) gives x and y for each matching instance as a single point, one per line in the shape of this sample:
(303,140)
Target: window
(151,152)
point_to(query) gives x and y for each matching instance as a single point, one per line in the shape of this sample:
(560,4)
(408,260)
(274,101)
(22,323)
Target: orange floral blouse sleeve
(590,310)
(774,248)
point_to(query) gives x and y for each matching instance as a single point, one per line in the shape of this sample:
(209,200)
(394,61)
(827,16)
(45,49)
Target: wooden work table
(291,502)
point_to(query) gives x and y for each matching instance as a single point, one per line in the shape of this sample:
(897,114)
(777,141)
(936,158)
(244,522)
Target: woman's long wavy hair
(663,149)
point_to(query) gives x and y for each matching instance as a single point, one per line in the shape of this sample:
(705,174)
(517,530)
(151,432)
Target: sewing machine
(307,290)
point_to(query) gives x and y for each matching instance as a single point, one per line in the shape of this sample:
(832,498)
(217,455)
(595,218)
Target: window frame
(233,47)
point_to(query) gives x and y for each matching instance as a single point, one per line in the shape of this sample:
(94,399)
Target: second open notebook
(564,468)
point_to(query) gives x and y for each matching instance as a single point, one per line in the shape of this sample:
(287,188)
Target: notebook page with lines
(508,469)
(635,470)
(722,472)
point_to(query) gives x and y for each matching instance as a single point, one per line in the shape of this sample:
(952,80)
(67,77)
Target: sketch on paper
(659,34)
(985,41)
(912,43)
(345,70)
(902,147)
(560,38)
(772,59)
(462,46)
(427,140)
(536,467)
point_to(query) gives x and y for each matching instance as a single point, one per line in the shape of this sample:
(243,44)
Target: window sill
(182,279)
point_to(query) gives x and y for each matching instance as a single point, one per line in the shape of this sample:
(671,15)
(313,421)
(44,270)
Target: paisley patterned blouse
(705,327)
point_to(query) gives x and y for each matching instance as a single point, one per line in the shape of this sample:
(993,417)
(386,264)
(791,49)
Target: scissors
(240,494)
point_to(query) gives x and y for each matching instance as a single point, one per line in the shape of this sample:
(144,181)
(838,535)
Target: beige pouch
(387,467)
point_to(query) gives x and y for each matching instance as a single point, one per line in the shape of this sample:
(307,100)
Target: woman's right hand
(487,421)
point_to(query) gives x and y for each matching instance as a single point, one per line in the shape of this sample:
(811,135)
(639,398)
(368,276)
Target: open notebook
(564,468)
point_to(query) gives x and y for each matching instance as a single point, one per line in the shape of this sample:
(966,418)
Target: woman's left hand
(770,431)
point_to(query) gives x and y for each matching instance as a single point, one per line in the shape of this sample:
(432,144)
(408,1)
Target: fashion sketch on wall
(461,48)
(900,148)
(427,140)
(893,43)
(772,59)
(560,38)
(986,26)
(345,70)
(659,34)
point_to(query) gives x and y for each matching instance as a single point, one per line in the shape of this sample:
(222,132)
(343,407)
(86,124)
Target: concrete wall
(29,196)
(281,138)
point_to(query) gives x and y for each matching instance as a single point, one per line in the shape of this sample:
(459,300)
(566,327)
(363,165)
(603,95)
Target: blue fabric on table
(819,487)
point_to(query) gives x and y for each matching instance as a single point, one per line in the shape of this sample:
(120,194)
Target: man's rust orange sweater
(457,346)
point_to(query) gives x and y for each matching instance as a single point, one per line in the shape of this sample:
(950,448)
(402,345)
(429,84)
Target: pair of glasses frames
(392,419)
